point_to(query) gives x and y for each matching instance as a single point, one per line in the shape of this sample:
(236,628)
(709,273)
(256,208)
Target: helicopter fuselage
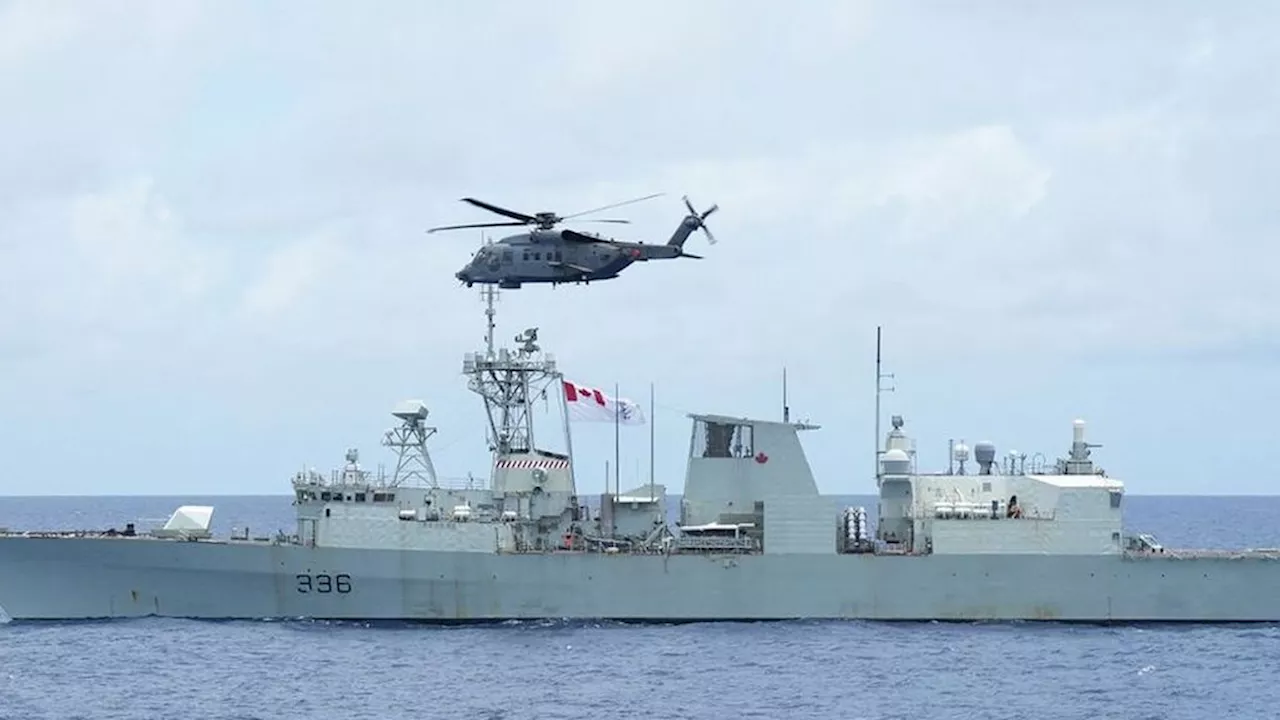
(550,256)
(544,256)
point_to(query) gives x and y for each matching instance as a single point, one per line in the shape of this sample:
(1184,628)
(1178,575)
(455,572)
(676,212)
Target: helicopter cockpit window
(506,257)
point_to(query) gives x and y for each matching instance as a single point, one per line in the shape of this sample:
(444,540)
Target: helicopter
(547,255)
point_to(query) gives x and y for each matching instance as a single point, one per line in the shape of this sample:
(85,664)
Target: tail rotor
(701,217)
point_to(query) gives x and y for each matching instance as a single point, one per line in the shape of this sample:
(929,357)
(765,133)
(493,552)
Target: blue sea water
(153,668)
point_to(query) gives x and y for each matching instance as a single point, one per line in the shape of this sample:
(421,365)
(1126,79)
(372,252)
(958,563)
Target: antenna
(617,446)
(651,443)
(880,378)
(490,295)
(786,410)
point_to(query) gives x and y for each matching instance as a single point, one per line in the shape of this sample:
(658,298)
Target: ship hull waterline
(73,579)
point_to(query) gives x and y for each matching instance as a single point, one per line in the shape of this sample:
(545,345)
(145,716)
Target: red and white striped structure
(529,464)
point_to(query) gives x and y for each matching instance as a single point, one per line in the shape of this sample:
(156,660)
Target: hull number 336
(323,583)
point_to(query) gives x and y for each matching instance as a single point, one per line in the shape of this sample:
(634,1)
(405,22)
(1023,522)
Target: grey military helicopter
(545,254)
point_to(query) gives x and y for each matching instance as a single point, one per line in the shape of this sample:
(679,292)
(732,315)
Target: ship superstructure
(527,503)
(754,539)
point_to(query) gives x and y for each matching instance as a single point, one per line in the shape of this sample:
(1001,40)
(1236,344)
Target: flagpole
(651,431)
(568,433)
(617,450)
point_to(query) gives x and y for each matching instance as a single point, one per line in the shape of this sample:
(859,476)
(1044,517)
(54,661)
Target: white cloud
(975,173)
(107,277)
(29,28)
(293,275)
(203,194)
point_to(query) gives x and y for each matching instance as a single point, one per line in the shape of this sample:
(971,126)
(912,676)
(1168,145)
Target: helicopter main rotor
(541,220)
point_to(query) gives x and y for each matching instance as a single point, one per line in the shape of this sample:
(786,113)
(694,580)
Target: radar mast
(409,441)
(510,381)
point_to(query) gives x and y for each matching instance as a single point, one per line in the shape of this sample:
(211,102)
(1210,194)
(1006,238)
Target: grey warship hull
(88,578)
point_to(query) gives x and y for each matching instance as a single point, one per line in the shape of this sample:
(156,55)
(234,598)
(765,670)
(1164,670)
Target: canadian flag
(593,405)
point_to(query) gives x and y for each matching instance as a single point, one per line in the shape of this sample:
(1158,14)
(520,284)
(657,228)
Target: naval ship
(752,537)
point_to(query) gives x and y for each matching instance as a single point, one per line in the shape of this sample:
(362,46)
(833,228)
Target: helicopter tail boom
(661,252)
(688,224)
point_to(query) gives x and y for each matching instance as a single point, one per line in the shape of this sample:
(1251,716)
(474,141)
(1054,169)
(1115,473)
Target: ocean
(152,668)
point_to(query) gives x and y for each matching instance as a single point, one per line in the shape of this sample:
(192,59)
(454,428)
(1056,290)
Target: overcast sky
(215,271)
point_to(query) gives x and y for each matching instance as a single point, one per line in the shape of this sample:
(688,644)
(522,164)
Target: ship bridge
(745,475)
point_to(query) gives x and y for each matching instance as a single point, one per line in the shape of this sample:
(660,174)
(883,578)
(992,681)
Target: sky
(215,268)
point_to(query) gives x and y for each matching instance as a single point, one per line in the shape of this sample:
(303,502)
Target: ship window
(324,496)
(526,256)
(537,256)
(722,440)
(1115,499)
(359,497)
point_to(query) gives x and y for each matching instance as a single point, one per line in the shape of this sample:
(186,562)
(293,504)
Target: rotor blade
(689,205)
(500,210)
(614,205)
(710,238)
(624,222)
(474,225)
(710,210)
(690,255)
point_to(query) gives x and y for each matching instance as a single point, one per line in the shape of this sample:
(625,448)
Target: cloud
(293,274)
(224,201)
(106,277)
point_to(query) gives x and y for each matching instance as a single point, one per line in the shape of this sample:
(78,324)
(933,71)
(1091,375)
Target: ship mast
(509,381)
(490,295)
(880,378)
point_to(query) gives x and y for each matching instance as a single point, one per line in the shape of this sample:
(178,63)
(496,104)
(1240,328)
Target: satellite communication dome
(984,452)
